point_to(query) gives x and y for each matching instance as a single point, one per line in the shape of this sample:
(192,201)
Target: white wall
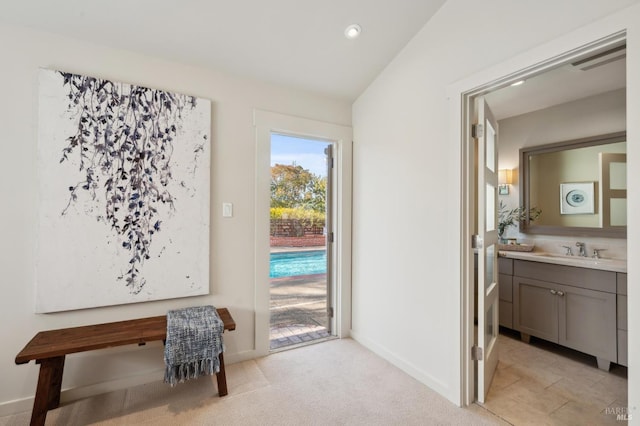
(232,180)
(407,173)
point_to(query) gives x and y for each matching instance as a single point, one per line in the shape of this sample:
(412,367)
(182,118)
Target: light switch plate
(227,210)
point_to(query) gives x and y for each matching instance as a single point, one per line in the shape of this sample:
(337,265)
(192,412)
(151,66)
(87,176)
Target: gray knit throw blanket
(194,341)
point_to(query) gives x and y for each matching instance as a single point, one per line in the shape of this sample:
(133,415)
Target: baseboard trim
(415,372)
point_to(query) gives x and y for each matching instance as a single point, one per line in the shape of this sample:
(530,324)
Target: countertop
(614,265)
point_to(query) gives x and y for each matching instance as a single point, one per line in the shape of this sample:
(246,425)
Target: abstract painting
(123,208)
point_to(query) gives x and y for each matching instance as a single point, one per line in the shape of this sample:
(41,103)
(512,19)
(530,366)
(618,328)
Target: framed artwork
(123,206)
(576,198)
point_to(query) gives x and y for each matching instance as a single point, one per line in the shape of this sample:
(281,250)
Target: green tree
(289,185)
(316,195)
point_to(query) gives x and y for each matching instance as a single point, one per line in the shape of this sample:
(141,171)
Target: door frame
(463,95)
(266,123)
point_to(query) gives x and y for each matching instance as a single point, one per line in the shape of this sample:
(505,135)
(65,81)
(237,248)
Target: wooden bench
(49,348)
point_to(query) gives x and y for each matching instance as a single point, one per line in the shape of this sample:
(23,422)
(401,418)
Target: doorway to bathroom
(549,99)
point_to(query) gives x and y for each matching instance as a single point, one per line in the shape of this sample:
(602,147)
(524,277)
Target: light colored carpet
(337,382)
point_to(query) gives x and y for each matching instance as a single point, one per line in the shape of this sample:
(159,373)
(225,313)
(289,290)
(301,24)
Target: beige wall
(595,115)
(233,178)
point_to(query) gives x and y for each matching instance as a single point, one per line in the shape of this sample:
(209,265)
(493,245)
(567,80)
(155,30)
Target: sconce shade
(505,176)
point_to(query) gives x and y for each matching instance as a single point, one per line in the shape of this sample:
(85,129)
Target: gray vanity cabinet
(574,307)
(505,282)
(622,318)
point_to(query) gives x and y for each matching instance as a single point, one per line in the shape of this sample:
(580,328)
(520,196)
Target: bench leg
(222,377)
(48,390)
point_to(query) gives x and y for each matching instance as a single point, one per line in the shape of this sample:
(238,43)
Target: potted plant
(508,217)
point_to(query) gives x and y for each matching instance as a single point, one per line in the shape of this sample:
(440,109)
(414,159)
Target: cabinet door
(587,321)
(506,298)
(535,308)
(622,348)
(506,287)
(506,314)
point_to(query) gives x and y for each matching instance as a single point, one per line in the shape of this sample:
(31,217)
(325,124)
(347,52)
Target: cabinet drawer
(622,348)
(505,266)
(506,287)
(622,282)
(506,314)
(593,279)
(622,312)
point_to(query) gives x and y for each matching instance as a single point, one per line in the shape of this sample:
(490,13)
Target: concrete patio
(298,310)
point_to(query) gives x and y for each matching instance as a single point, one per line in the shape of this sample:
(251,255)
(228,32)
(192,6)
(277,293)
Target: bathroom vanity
(575,302)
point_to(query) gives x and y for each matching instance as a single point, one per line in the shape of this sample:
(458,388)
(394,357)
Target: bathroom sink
(617,265)
(575,258)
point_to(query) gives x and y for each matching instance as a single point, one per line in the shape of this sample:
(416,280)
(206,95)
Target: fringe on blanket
(192,370)
(194,341)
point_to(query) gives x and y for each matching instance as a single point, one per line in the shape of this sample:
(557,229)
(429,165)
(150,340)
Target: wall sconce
(505,178)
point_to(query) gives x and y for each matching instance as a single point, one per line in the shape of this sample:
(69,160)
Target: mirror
(579,185)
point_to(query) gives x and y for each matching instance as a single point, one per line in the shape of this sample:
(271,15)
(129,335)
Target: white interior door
(486,133)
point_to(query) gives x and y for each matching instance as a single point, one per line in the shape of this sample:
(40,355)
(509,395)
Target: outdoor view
(298,274)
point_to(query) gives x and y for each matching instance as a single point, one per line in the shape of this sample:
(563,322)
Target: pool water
(292,264)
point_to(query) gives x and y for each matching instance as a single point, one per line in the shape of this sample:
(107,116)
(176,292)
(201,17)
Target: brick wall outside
(296,233)
(304,241)
(294,228)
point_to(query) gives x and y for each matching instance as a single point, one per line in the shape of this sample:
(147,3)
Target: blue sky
(307,153)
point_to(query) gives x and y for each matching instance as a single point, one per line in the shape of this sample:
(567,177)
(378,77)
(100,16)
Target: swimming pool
(291,264)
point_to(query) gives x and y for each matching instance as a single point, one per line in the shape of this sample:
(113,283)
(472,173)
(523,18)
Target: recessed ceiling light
(518,83)
(352,31)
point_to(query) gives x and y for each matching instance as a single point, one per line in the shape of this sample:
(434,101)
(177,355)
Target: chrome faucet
(569,252)
(582,249)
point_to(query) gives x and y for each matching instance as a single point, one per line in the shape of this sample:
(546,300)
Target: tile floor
(545,384)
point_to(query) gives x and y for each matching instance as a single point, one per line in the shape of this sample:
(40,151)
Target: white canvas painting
(123,193)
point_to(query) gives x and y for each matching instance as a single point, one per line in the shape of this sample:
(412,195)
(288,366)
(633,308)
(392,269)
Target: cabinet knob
(560,293)
(553,291)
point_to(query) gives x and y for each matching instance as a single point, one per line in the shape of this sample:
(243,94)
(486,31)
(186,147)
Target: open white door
(328,151)
(486,134)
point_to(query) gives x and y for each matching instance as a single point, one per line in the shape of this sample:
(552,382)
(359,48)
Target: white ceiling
(294,43)
(557,86)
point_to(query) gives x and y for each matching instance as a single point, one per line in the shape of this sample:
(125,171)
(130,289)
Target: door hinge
(476,241)
(330,312)
(477,131)
(327,151)
(330,237)
(476,353)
